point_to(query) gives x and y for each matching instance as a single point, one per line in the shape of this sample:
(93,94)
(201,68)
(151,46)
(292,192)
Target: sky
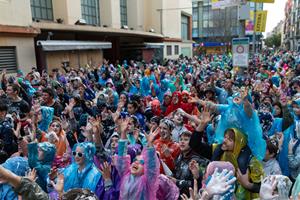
(275,14)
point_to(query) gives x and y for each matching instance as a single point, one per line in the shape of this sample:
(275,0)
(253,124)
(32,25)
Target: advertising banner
(250,24)
(261,21)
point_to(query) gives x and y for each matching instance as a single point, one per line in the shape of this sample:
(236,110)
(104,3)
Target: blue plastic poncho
(47,117)
(288,134)
(164,87)
(43,166)
(30,90)
(145,85)
(234,116)
(283,154)
(19,166)
(89,177)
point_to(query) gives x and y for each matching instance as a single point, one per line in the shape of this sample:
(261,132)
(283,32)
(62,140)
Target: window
(195,32)
(169,50)
(205,24)
(195,14)
(123,12)
(184,27)
(205,13)
(195,24)
(90,11)
(8,59)
(176,50)
(41,9)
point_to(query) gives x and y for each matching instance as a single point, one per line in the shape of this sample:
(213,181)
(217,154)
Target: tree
(273,40)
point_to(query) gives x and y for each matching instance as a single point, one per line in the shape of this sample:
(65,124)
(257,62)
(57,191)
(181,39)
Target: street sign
(240,52)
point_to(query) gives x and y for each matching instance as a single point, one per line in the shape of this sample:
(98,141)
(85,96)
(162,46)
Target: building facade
(249,26)
(291,39)
(213,29)
(47,33)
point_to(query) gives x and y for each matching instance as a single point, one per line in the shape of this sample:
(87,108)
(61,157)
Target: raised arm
(152,165)
(190,117)
(196,142)
(287,117)
(123,160)
(247,105)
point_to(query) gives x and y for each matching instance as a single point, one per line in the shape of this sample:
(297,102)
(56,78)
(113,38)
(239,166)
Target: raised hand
(59,185)
(194,195)
(64,123)
(123,128)
(267,188)
(245,93)
(32,175)
(220,183)
(105,170)
(194,167)
(121,105)
(151,137)
(206,116)
(70,106)
(292,143)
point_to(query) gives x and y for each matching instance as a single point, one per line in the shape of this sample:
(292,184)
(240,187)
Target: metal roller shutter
(8,59)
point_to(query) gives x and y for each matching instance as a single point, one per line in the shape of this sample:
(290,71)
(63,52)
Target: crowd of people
(191,128)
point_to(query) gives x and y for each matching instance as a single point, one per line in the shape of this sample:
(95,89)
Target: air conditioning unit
(60,20)
(124,27)
(80,22)
(151,30)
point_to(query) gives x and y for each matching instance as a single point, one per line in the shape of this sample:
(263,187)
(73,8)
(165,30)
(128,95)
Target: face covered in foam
(137,166)
(237,98)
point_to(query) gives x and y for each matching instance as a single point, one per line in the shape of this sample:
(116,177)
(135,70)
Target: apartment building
(49,33)
(291,34)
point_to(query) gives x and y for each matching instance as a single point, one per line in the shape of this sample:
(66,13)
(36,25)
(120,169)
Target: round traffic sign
(240,49)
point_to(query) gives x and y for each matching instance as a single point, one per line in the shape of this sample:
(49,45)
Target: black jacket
(183,174)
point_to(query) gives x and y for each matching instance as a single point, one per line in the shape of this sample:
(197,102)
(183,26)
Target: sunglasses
(79,154)
(142,162)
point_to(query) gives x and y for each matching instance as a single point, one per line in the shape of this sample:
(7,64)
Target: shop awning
(65,45)
(154,45)
(145,45)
